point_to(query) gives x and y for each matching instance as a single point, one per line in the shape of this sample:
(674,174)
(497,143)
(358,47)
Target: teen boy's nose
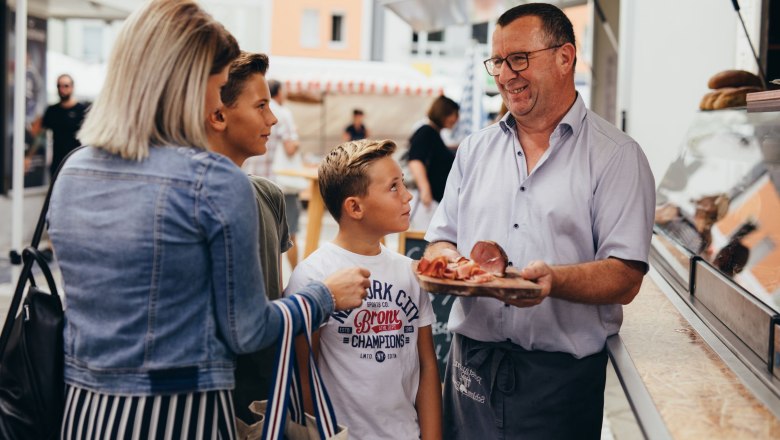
(407,195)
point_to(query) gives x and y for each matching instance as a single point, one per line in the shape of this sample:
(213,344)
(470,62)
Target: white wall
(397,39)
(248,20)
(669,50)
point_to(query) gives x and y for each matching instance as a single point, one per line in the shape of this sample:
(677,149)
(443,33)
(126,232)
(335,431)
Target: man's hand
(445,248)
(540,273)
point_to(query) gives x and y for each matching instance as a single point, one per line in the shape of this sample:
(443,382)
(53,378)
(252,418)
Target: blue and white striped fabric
(287,390)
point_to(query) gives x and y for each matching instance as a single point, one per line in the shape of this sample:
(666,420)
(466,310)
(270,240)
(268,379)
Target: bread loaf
(734,78)
(735,97)
(708,99)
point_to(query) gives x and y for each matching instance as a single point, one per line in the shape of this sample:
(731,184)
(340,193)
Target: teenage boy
(377,361)
(240,130)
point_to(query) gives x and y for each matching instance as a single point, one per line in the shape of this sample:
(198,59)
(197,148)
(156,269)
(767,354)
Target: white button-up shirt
(590,197)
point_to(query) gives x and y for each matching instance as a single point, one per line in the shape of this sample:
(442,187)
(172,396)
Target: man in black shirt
(356,130)
(64,120)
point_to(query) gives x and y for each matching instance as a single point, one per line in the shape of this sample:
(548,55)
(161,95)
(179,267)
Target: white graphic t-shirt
(368,356)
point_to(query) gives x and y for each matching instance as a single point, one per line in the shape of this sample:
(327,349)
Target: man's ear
(217,120)
(352,208)
(567,54)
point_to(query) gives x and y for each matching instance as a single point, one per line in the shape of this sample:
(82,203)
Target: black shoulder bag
(31,368)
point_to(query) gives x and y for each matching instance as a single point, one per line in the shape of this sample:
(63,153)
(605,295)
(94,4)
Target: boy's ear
(352,208)
(217,120)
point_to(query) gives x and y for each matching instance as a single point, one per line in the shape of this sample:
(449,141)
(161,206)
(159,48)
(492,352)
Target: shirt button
(519,153)
(522,188)
(516,226)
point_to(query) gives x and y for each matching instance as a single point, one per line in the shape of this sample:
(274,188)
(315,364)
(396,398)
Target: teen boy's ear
(217,120)
(352,208)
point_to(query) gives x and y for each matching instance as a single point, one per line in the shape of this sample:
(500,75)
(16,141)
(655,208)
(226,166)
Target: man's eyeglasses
(518,61)
(63,86)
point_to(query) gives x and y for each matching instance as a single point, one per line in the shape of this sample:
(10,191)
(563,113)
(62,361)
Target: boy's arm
(302,355)
(428,402)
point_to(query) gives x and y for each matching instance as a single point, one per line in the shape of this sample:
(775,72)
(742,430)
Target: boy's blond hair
(342,173)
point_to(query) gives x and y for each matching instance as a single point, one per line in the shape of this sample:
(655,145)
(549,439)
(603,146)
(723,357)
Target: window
(93,43)
(310,28)
(337,28)
(479,32)
(437,36)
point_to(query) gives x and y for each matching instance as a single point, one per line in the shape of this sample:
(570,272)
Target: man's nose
(505,73)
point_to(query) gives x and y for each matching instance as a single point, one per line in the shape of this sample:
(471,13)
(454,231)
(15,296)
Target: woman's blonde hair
(155,88)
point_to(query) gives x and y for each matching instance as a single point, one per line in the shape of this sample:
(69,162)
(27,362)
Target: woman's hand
(348,287)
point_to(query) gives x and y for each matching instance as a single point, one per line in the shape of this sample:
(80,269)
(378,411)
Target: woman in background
(157,241)
(430,160)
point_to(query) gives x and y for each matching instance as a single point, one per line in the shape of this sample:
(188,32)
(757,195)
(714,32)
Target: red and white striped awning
(317,76)
(360,87)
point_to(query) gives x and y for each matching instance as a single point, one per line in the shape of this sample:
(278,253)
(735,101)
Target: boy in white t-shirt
(377,361)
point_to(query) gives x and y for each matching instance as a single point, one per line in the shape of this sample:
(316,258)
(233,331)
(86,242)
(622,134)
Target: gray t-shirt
(590,197)
(274,236)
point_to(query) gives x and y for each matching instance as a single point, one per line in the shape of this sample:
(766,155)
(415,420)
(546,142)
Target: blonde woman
(157,241)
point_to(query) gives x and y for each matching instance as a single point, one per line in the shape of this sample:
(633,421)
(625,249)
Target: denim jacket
(161,273)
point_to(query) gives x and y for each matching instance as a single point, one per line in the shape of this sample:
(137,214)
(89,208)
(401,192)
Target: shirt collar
(572,119)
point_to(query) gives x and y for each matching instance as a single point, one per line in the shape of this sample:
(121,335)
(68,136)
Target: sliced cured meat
(453,266)
(490,256)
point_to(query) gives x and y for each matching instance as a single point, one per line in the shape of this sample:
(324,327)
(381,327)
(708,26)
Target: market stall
(323,94)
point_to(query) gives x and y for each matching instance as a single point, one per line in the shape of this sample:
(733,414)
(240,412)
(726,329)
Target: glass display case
(720,198)
(717,232)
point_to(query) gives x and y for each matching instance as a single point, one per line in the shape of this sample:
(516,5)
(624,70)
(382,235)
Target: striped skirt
(199,415)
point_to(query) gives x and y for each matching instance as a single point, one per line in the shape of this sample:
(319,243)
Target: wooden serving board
(511,286)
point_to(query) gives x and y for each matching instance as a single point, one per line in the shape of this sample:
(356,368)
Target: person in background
(64,119)
(377,360)
(430,160)
(356,130)
(157,241)
(571,200)
(240,130)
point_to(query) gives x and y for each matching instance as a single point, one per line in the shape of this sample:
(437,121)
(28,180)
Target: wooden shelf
(767,101)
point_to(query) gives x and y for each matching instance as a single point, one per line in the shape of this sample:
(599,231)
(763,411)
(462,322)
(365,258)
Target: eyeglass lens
(517,62)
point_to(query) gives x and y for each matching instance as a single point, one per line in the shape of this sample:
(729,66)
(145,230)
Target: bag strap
(324,413)
(33,255)
(278,399)
(287,382)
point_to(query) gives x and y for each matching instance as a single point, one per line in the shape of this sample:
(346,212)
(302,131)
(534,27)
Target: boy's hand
(348,287)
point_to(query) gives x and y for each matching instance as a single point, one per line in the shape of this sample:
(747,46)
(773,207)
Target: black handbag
(32,388)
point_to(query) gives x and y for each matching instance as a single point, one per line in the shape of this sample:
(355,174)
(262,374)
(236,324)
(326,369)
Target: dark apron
(501,391)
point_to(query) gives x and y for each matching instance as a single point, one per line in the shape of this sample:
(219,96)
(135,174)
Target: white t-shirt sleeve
(427,317)
(302,275)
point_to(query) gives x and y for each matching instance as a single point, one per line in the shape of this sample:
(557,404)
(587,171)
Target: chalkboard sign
(412,244)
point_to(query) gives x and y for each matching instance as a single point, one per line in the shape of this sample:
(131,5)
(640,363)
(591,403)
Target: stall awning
(317,76)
